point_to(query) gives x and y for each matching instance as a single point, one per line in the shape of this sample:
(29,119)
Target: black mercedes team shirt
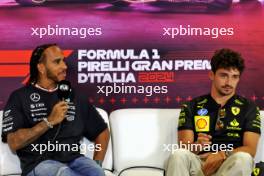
(225,124)
(28,106)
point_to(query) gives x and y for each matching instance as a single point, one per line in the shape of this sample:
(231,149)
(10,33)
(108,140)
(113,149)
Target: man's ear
(211,75)
(41,68)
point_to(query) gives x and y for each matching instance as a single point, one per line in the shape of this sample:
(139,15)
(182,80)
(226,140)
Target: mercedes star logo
(35,97)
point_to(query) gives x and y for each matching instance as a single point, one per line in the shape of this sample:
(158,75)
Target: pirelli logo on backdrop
(15,63)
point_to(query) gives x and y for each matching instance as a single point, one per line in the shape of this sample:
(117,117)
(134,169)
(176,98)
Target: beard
(52,76)
(222,91)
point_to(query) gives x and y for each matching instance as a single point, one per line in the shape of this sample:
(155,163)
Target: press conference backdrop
(141,56)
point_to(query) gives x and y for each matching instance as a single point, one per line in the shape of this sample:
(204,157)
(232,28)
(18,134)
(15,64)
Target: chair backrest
(139,136)
(260,150)
(10,164)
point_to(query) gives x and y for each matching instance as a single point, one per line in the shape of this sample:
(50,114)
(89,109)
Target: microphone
(64,90)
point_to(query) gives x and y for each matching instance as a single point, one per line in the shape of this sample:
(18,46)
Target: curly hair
(36,57)
(227,58)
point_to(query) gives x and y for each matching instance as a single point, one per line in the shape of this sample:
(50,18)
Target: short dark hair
(36,57)
(227,58)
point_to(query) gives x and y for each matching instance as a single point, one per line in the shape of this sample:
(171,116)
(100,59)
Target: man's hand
(58,113)
(213,162)
(187,137)
(204,155)
(203,140)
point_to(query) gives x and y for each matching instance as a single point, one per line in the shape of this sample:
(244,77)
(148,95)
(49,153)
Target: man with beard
(219,132)
(35,118)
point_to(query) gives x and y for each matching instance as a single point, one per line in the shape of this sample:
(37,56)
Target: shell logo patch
(202,123)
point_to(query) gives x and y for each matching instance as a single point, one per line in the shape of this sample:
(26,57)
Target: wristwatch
(48,123)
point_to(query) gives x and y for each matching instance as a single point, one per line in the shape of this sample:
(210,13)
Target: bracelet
(47,123)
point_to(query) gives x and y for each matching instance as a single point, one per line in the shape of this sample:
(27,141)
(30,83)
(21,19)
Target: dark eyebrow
(237,75)
(223,73)
(58,59)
